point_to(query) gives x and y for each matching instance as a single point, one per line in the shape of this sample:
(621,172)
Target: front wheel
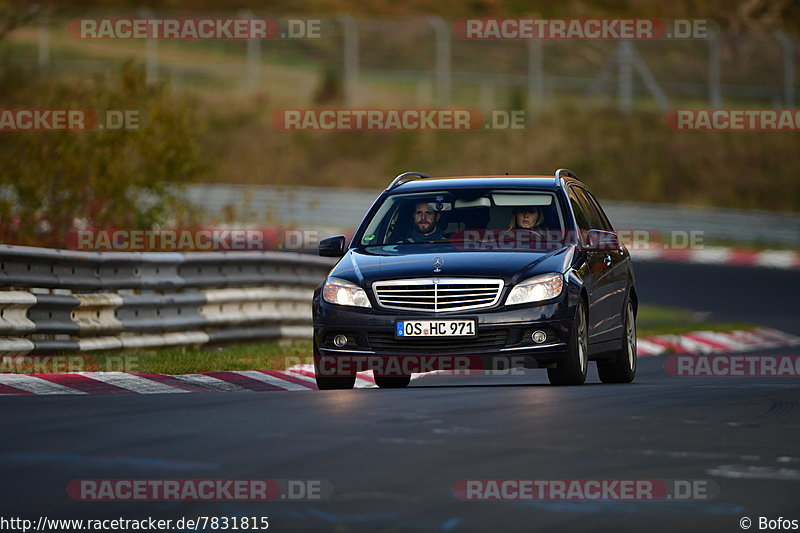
(330,382)
(571,370)
(622,369)
(392,382)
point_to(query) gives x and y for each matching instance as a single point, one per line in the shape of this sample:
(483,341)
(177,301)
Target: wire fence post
(252,76)
(714,88)
(350,59)
(43,37)
(424,91)
(151,52)
(535,77)
(649,80)
(625,77)
(788,68)
(487,95)
(443,74)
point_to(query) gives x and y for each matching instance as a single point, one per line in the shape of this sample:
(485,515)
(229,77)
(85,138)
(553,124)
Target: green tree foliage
(53,182)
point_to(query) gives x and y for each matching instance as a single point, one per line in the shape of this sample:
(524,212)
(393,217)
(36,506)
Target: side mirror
(602,240)
(332,247)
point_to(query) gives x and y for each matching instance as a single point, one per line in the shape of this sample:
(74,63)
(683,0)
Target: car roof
(501,180)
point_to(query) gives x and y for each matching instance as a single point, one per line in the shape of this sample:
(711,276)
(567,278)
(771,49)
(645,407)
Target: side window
(591,214)
(604,222)
(580,211)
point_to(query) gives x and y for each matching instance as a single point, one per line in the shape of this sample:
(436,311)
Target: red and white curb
(301,377)
(703,342)
(146,383)
(783,259)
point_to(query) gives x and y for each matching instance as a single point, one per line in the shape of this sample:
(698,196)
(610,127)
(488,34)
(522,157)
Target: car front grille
(485,341)
(438,294)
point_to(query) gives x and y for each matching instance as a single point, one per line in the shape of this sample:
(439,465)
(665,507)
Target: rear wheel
(330,382)
(392,382)
(623,368)
(572,369)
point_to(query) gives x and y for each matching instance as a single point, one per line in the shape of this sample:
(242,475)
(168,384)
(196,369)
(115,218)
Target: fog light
(340,340)
(538,336)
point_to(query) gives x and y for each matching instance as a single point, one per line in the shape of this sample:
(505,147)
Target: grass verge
(655,320)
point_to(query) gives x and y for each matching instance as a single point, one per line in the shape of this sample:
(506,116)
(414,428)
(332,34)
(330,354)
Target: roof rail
(406,177)
(565,172)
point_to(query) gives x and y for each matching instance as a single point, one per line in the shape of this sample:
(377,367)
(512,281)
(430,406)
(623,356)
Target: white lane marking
(296,372)
(646,255)
(751,339)
(272,380)
(777,259)
(645,347)
(713,255)
(722,342)
(213,383)
(725,339)
(133,383)
(36,385)
(687,344)
(780,336)
(755,472)
(360,383)
(363,383)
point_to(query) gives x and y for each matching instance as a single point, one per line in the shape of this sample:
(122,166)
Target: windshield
(475,219)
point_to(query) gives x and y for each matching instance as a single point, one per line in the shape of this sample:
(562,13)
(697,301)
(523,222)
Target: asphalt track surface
(394,456)
(764,296)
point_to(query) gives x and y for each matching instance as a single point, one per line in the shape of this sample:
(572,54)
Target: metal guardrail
(54,301)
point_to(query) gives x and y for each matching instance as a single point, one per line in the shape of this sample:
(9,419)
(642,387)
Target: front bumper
(503,333)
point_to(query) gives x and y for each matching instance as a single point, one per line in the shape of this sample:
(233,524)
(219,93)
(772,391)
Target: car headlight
(343,292)
(536,289)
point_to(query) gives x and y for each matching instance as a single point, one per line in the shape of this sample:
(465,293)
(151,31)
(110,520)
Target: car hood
(364,266)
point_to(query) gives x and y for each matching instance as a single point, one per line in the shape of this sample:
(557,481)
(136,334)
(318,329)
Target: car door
(594,280)
(615,273)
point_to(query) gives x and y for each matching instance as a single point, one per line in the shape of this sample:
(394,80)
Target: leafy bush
(54,181)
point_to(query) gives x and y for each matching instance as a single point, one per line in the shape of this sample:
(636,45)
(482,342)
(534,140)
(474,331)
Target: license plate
(435,328)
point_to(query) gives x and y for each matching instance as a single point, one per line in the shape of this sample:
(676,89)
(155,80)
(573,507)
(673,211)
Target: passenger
(526,217)
(525,229)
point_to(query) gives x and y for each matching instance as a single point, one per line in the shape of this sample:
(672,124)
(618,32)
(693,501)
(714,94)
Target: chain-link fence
(419,61)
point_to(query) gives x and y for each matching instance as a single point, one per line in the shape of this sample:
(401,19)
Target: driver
(425,221)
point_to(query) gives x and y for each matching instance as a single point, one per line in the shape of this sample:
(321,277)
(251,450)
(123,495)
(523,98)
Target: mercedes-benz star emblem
(437,264)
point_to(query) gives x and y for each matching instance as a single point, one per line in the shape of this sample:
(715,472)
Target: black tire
(622,369)
(330,382)
(571,370)
(392,382)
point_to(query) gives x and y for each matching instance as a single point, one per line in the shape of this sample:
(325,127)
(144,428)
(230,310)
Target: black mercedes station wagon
(504,270)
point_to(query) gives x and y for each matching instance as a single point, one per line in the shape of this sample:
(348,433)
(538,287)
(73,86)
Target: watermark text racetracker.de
(195,28)
(584,489)
(193,240)
(633,239)
(580,29)
(255,239)
(397,119)
(69,119)
(786,366)
(55,364)
(150,490)
(733,119)
(343,365)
